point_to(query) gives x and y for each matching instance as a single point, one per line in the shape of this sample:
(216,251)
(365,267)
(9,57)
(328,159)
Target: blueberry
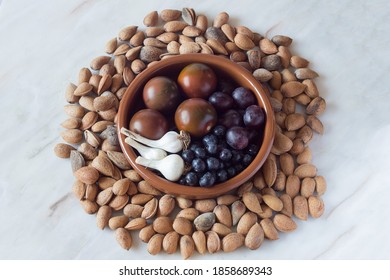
(221,165)
(210,139)
(194,146)
(191,179)
(236,156)
(219,131)
(231,171)
(200,152)
(188,155)
(207,180)
(212,163)
(225,154)
(222,175)
(182,181)
(198,165)
(253,149)
(212,148)
(247,159)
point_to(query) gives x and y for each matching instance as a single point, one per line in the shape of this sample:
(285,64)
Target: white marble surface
(44,43)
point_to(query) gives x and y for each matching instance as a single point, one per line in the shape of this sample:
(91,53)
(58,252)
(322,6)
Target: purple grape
(231,118)
(221,101)
(243,97)
(237,137)
(254,117)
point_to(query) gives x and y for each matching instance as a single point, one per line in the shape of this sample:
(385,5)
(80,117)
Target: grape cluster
(232,144)
(212,160)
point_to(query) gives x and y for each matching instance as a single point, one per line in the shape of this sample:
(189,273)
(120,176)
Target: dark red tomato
(197,80)
(161,94)
(149,123)
(196,116)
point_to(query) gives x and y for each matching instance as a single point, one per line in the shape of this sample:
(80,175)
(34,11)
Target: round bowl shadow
(132,101)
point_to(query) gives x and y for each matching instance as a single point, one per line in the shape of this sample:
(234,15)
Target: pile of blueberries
(212,160)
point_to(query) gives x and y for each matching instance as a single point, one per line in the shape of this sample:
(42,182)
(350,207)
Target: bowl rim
(196,192)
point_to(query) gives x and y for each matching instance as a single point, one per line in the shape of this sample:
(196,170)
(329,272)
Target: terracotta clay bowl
(132,102)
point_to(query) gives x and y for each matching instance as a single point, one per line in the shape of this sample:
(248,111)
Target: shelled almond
(287,185)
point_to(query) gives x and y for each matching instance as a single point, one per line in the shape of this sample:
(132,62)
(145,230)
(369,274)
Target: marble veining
(43,47)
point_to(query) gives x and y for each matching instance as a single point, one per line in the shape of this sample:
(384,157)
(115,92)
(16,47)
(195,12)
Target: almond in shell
(119,202)
(187,246)
(213,242)
(87,175)
(155,244)
(170,242)
(146,233)
(238,209)
(150,209)
(89,207)
(104,196)
(273,202)
(300,207)
(103,216)
(188,213)
(103,165)
(232,242)
(118,222)
(182,226)
(246,222)
(124,238)
(251,202)
(162,225)
(284,223)
(269,229)
(200,241)
(63,150)
(255,237)
(223,215)
(316,206)
(135,224)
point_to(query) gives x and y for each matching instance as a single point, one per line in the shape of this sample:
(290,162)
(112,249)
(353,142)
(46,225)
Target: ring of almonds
(287,187)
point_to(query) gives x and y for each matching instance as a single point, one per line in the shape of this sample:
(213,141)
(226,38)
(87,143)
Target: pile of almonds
(106,185)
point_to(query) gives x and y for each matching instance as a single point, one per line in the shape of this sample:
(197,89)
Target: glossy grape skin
(212,163)
(188,155)
(207,180)
(198,165)
(222,175)
(191,179)
(219,130)
(231,118)
(161,93)
(195,116)
(254,117)
(243,97)
(225,155)
(200,152)
(209,139)
(197,80)
(237,138)
(221,101)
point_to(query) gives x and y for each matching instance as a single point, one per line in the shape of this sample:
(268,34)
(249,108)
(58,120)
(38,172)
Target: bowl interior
(132,102)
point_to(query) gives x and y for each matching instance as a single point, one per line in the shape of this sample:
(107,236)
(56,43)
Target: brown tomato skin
(149,123)
(162,94)
(196,116)
(197,80)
